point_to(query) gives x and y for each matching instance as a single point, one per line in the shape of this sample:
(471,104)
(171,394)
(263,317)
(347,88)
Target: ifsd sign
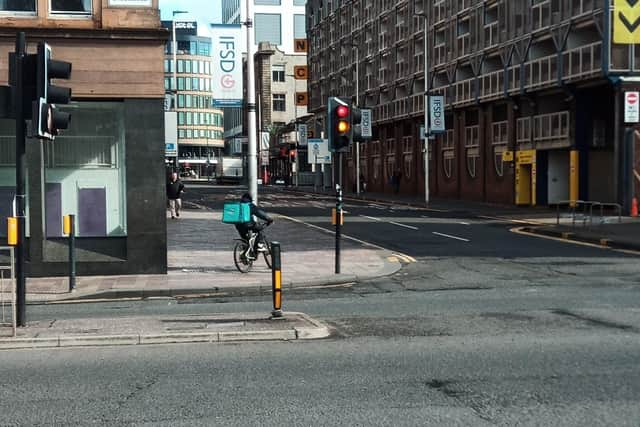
(436,114)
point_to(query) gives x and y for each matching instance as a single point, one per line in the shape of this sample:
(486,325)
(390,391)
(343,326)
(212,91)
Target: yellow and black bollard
(276,280)
(69,228)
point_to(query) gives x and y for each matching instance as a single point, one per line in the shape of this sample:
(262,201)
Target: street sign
(365,122)
(632,107)
(626,22)
(436,114)
(318,151)
(171,149)
(302,135)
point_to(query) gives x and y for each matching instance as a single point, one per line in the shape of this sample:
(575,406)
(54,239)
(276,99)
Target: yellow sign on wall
(626,21)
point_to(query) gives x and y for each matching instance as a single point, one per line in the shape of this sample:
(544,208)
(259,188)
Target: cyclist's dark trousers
(244,232)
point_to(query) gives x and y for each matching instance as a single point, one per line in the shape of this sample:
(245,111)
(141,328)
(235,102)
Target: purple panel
(92,212)
(53,209)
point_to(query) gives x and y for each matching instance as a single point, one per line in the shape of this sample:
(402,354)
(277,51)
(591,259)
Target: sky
(204,11)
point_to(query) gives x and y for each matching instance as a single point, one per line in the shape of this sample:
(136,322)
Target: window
(277,73)
(180,101)
(267,28)
(71,7)
(187,66)
(279,102)
(299,2)
(180,66)
(17,5)
(268,2)
(96,156)
(204,48)
(180,83)
(299,31)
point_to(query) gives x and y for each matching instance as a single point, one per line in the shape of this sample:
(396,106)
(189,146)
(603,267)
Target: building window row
(56,7)
(194,118)
(194,101)
(199,133)
(190,47)
(188,66)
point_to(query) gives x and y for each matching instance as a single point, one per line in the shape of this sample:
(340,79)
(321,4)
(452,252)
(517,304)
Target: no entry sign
(631,107)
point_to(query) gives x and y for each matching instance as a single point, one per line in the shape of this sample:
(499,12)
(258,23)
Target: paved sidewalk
(200,260)
(215,328)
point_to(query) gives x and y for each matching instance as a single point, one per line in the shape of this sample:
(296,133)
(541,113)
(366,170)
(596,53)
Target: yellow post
(276,281)
(574,176)
(12,231)
(66,224)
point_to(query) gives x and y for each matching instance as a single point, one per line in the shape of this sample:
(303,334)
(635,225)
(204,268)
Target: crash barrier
(582,212)
(8,288)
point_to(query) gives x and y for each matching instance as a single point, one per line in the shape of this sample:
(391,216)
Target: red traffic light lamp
(339,123)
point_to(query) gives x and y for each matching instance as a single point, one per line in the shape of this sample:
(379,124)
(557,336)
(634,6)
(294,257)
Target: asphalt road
(500,329)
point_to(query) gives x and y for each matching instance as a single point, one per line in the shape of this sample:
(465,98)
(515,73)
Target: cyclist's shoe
(262,247)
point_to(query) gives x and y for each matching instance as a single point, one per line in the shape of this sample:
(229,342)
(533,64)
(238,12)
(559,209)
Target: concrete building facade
(533,93)
(108,168)
(199,125)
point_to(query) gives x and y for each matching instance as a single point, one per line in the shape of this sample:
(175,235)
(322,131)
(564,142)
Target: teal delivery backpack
(236,212)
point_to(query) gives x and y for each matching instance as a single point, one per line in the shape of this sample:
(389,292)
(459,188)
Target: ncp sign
(436,114)
(227,65)
(632,107)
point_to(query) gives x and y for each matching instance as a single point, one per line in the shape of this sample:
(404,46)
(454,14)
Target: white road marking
(390,222)
(450,237)
(465,223)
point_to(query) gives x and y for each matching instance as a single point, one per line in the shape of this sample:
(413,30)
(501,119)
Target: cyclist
(245,228)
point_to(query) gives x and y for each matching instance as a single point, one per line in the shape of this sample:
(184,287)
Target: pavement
(200,260)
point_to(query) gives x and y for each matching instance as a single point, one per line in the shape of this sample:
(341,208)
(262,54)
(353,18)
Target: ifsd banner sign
(227,65)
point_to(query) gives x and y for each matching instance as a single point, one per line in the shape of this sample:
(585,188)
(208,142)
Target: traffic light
(47,120)
(356,124)
(339,119)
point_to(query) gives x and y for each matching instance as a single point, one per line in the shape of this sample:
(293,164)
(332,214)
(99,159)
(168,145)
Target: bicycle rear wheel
(243,264)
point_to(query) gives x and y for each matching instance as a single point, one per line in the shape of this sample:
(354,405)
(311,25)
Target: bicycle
(243,252)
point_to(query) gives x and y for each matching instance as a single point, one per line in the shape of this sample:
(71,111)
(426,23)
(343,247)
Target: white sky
(204,11)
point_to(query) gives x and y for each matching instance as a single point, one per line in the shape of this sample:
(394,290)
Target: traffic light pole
(18,100)
(338,212)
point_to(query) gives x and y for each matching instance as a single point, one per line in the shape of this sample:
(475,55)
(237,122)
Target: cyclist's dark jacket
(245,227)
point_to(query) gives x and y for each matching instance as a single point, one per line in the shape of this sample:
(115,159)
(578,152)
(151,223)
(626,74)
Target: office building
(533,93)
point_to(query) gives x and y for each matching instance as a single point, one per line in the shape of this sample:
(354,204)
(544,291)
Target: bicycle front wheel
(267,252)
(243,264)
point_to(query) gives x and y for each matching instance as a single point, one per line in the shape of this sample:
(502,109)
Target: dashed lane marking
(390,222)
(451,237)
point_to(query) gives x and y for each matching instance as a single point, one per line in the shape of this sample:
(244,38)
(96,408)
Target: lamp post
(353,45)
(295,121)
(427,130)
(174,83)
(252,157)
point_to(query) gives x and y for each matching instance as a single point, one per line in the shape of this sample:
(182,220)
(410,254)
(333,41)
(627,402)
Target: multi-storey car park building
(533,92)
(107,169)
(199,125)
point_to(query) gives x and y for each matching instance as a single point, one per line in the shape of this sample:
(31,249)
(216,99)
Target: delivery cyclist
(245,227)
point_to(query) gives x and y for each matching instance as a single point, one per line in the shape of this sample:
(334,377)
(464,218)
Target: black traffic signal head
(356,124)
(339,123)
(47,120)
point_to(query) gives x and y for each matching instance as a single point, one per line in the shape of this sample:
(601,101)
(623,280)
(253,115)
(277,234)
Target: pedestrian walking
(395,181)
(175,188)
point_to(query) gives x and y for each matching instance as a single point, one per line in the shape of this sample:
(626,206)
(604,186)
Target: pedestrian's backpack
(236,212)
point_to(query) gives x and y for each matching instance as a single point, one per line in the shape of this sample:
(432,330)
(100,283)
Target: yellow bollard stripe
(277,288)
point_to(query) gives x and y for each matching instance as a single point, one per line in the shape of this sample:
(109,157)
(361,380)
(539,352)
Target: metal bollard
(69,228)
(276,280)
